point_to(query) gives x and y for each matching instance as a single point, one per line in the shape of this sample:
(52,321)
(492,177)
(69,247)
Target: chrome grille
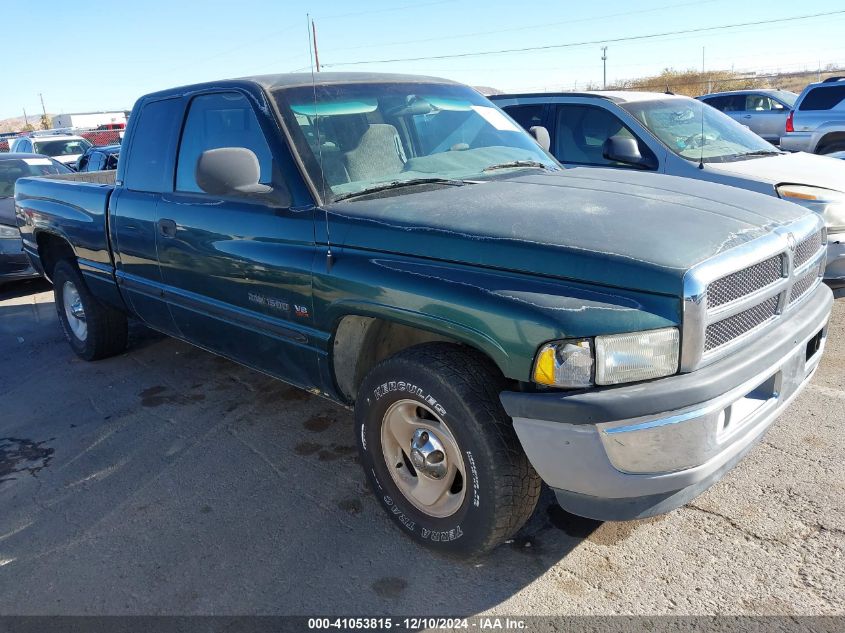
(725,298)
(745,282)
(726,330)
(804,283)
(807,248)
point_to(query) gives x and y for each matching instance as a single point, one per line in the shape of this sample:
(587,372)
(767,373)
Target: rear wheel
(439,451)
(94,330)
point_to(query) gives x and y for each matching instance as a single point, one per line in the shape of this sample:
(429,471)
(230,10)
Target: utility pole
(604,66)
(316,54)
(25,119)
(45,122)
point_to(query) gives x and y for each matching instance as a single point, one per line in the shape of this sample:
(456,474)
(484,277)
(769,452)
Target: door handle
(167,228)
(747,116)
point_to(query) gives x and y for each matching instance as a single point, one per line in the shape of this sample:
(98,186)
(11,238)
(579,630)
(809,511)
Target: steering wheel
(699,140)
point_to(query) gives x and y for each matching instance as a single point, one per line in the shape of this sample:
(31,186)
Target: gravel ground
(171,481)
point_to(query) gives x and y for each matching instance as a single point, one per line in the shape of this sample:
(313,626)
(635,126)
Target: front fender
(505,315)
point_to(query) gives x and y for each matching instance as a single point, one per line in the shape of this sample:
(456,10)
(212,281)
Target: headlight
(8,232)
(618,358)
(828,203)
(565,364)
(637,356)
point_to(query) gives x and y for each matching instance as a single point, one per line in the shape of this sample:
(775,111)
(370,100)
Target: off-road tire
(107,329)
(830,148)
(463,386)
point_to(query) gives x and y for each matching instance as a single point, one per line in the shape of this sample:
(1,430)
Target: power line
(368,12)
(526,28)
(588,43)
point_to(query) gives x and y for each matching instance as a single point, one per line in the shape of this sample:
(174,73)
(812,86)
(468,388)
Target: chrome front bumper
(681,434)
(834,274)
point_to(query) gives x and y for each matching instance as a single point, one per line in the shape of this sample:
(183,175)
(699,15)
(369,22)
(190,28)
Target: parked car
(65,148)
(763,111)
(14,264)
(679,136)
(112,126)
(817,121)
(398,245)
(99,158)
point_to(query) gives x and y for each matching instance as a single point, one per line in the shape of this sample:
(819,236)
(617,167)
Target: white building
(88,119)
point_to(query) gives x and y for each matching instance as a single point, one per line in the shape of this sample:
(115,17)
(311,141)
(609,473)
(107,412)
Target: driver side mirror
(229,171)
(625,150)
(541,135)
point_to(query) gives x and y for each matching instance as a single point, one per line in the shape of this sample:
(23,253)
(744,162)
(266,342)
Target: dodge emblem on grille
(790,240)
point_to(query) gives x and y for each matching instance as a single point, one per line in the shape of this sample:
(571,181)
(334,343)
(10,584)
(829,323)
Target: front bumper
(14,264)
(644,449)
(834,274)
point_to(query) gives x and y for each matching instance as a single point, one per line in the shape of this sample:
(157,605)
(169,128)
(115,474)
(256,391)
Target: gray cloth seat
(378,154)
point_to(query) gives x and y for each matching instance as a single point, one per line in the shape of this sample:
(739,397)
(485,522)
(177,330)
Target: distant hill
(16,124)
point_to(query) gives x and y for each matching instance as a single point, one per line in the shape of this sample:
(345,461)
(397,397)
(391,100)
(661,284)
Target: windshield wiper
(761,152)
(398,184)
(517,163)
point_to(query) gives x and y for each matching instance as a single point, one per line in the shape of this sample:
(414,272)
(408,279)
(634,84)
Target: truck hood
(795,169)
(610,227)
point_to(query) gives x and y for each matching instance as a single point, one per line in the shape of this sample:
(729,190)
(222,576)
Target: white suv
(65,148)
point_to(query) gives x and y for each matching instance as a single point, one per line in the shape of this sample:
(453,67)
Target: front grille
(804,283)
(745,282)
(726,330)
(807,248)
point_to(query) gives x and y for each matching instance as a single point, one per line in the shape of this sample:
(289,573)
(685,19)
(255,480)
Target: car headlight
(9,232)
(828,203)
(608,360)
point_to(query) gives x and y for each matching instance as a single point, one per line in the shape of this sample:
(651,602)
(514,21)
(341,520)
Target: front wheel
(440,452)
(94,330)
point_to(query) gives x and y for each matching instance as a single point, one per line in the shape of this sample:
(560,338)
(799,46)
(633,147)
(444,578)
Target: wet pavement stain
(154,396)
(317,423)
(307,448)
(390,587)
(23,456)
(352,505)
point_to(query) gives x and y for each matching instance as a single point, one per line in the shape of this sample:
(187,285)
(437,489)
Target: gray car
(13,262)
(817,121)
(764,111)
(680,136)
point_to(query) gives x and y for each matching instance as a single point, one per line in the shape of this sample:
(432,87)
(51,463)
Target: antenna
(311,51)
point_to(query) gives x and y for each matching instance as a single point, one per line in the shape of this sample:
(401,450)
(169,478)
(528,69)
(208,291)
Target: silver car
(680,136)
(817,122)
(764,111)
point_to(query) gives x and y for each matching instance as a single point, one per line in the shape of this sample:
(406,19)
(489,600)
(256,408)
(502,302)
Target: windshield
(61,148)
(677,123)
(12,169)
(788,98)
(357,137)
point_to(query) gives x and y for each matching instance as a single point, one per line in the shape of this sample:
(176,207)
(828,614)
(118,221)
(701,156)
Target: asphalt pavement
(170,481)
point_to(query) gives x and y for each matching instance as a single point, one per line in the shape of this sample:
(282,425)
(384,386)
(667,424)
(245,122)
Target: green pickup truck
(399,245)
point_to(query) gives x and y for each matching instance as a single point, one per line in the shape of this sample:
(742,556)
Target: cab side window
(527,115)
(580,134)
(215,121)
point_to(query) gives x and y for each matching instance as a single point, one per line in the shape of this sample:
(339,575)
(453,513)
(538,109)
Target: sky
(97,55)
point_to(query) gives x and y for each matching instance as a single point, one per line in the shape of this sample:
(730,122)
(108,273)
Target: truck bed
(70,206)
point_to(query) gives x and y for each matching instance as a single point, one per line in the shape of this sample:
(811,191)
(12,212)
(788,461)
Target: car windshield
(678,124)
(789,98)
(358,137)
(61,148)
(13,168)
